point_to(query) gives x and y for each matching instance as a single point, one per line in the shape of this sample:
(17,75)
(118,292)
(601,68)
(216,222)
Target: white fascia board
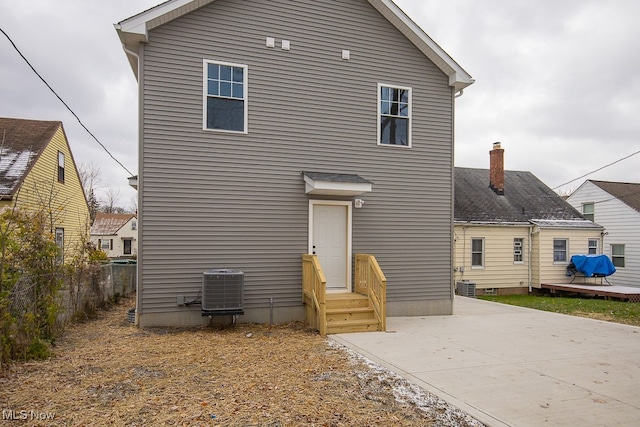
(138,23)
(328,188)
(458,77)
(133,181)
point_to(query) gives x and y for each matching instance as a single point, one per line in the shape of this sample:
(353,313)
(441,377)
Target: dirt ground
(109,372)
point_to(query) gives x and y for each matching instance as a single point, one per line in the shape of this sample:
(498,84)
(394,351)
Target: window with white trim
(61,167)
(588,211)
(593,247)
(518,244)
(106,244)
(560,250)
(225,96)
(59,236)
(394,112)
(617,255)
(477,253)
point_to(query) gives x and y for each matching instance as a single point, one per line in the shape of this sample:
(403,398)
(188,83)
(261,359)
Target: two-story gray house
(269,130)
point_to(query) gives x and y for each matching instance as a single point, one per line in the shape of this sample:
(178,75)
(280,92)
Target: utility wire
(599,169)
(64,103)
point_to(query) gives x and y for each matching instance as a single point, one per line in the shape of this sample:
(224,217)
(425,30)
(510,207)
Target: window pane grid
(559,250)
(617,255)
(477,252)
(517,249)
(225,81)
(225,106)
(394,116)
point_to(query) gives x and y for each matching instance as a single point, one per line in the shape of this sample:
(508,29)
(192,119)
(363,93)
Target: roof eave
(458,77)
(134,30)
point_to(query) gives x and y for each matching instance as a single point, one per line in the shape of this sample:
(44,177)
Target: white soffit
(134,30)
(319,184)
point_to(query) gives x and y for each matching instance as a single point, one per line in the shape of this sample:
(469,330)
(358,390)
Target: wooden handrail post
(370,281)
(314,290)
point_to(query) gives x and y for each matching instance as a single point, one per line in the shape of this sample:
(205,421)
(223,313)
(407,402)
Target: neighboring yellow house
(512,233)
(37,172)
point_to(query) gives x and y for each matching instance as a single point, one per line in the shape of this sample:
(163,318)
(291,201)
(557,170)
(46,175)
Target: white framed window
(106,244)
(477,253)
(134,225)
(61,167)
(126,246)
(617,255)
(394,115)
(518,244)
(560,250)
(588,211)
(60,242)
(225,97)
(593,247)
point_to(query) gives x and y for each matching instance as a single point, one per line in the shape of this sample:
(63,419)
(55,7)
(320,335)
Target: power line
(64,103)
(599,169)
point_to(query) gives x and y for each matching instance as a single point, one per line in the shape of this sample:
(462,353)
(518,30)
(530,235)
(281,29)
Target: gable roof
(626,192)
(134,30)
(109,224)
(21,144)
(526,199)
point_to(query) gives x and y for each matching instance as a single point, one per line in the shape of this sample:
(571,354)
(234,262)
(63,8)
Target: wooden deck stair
(349,312)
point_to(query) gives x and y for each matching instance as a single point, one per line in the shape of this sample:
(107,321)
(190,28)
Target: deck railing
(314,291)
(370,281)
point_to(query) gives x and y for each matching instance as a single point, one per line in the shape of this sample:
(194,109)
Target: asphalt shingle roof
(525,198)
(22,142)
(109,224)
(628,193)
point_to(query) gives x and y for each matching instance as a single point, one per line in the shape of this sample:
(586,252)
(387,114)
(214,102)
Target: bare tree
(89,177)
(110,202)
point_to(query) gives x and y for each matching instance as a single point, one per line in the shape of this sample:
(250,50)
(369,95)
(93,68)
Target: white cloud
(555,80)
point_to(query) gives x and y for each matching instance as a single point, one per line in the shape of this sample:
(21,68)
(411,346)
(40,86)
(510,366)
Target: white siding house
(116,234)
(615,206)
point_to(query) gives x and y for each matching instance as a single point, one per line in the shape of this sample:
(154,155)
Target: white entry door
(331,241)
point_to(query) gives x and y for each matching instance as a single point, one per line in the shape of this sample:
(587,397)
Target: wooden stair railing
(314,293)
(341,313)
(370,281)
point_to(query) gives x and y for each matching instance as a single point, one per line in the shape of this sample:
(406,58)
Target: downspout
(530,272)
(459,93)
(464,251)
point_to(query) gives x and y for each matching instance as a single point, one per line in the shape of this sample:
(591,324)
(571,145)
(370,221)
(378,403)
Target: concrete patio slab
(512,366)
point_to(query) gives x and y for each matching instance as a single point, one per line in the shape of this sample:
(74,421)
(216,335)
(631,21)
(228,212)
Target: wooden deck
(626,293)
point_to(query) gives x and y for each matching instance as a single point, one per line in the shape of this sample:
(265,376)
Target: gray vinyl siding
(222,200)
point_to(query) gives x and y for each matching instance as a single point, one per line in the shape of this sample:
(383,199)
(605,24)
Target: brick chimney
(496,169)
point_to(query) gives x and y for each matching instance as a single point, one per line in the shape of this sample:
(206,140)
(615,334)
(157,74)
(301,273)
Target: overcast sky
(557,81)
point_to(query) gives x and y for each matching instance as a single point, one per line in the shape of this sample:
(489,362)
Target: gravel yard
(109,372)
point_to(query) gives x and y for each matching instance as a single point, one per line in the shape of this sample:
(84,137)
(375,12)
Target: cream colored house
(37,172)
(512,233)
(116,234)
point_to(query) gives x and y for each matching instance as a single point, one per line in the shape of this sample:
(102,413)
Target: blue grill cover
(593,265)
